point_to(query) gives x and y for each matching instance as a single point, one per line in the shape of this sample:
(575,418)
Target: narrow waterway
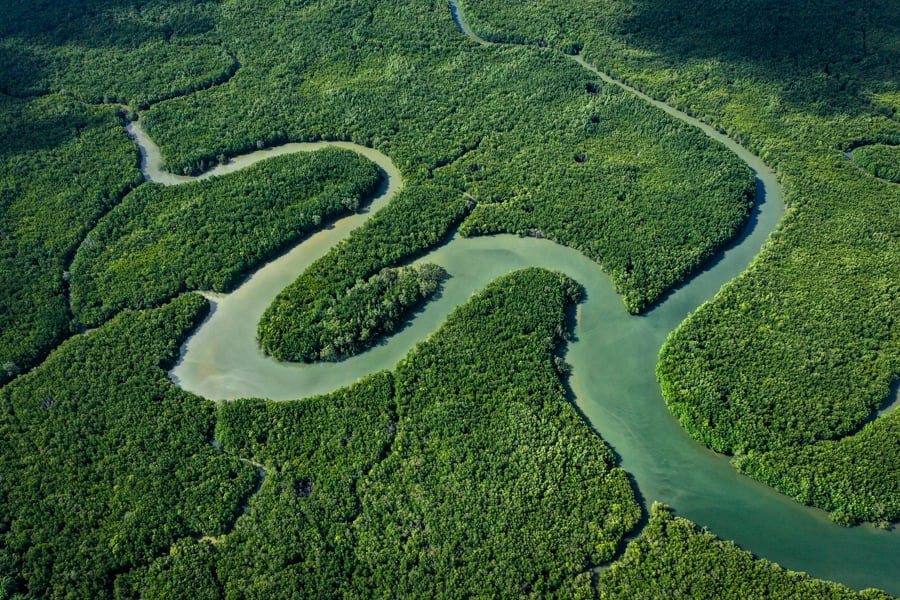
(613,359)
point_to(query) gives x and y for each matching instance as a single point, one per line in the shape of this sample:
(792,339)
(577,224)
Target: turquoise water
(613,382)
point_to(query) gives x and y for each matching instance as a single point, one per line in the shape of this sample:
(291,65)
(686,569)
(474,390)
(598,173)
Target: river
(613,359)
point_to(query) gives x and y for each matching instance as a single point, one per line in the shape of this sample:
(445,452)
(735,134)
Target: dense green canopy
(465,470)
(805,345)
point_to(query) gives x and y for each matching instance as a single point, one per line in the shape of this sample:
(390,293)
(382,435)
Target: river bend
(613,359)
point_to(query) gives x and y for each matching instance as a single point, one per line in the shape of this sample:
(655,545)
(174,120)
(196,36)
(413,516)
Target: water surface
(613,360)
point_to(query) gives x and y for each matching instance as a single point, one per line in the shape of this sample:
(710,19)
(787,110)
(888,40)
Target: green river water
(613,359)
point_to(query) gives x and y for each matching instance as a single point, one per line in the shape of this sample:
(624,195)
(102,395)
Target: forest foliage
(411,95)
(465,471)
(65,163)
(105,462)
(124,51)
(110,484)
(450,116)
(316,453)
(326,298)
(880,160)
(843,476)
(804,346)
(207,235)
(493,478)
(370,309)
(51,195)
(613,197)
(674,555)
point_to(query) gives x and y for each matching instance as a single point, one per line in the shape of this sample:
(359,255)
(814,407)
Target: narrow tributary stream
(613,360)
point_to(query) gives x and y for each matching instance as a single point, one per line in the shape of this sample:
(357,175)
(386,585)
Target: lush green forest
(317,453)
(354,321)
(105,463)
(51,194)
(675,555)
(64,163)
(690,195)
(880,160)
(855,477)
(413,93)
(324,299)
(804,346)
(207,235)
(610,202)
(465,470)
(129,52)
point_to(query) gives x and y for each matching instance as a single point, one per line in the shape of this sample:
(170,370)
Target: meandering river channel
(613,360)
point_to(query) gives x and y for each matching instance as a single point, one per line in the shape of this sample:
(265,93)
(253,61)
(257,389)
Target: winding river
(613,360)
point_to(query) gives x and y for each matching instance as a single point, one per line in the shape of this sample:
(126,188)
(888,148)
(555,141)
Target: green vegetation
(494,482)
(135,53)
(616,203)
(614,199)
(880,160)
(466,470)
(64,164)
(801,350)
(105,463)
(317,453)
(51,194)
(297,324)
(674,555)
(820,393)
(844,476)
(802,347)
(357,320)
(406,82)
(207,235)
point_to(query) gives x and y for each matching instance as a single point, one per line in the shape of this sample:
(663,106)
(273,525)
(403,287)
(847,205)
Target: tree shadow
(34,37)
(40,125)
(22,72)
(821,54)
(104,23)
